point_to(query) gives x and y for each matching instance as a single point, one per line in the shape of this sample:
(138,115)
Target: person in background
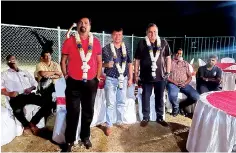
(209,76)
(178,81)
(17,85)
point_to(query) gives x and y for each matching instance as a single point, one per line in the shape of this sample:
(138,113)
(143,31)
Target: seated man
(47,68)
(178,81)
(209,76)
(17,85)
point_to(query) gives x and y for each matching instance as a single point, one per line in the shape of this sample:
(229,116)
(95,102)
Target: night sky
(173,18)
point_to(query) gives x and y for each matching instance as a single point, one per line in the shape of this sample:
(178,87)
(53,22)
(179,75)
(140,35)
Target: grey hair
(213,56)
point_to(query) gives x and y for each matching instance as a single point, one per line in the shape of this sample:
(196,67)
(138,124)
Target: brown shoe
(27,131)
(107,131)
(144,123)
(35,130)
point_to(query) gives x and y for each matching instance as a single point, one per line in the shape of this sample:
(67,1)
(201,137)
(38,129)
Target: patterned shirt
(180,71)
(44,67)
(107,56)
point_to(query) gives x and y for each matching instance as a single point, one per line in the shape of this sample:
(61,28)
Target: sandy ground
(153,138)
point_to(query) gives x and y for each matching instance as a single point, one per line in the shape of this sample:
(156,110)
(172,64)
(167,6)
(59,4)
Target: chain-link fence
(19,41)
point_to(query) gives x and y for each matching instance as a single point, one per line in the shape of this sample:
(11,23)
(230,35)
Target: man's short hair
(83,18)
(151,25)
(213,56)
(8,57)
(117,29)
(44,52)
(178,50)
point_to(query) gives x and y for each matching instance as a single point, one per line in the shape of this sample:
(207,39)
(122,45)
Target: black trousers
(18,103)
(159,88)
(84,93)
(202,88)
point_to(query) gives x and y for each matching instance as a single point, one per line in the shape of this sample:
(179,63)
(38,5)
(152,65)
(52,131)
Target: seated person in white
(18,85)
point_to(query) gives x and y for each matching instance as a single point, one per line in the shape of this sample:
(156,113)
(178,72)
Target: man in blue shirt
(119,75)
(209,76)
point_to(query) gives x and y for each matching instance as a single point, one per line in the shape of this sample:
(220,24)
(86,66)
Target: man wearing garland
(83,53)
(153,56)
(119,75)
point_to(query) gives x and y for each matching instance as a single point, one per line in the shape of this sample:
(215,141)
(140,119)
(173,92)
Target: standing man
(119,74)
(83,53)
(209,76)
(153,55)
(178,81)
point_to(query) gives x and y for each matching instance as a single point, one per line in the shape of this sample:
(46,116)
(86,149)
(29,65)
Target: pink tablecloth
(224,65)
(225,101)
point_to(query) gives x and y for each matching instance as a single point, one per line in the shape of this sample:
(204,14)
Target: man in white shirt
(18,85)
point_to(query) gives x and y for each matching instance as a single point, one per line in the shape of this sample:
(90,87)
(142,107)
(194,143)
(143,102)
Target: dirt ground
(153,138)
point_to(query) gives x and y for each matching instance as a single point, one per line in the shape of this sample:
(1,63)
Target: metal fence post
(103,38)
(132,47)
(59,43)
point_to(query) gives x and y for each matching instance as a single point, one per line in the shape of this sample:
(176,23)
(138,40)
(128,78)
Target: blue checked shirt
(107,56)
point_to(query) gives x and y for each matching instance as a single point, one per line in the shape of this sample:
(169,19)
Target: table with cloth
(228,76)
(99,110)
(213,126)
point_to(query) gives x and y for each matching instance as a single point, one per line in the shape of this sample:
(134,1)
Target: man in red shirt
(82,52)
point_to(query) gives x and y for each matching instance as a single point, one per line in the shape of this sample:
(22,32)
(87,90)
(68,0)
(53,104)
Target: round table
(213,126)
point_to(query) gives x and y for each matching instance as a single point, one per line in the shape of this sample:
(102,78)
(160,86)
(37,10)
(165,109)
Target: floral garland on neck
(121,69)
(85,67)
(154,58)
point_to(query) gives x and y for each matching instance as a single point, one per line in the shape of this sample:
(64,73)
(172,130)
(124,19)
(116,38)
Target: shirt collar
(11,70)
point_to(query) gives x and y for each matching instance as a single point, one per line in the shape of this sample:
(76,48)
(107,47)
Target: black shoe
(182,112)
(162,122)
(67,147)
(175,112)
(87,143)
(144,123)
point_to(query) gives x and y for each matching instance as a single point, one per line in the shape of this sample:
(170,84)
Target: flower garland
(121,69)
(154,58)
(85,67)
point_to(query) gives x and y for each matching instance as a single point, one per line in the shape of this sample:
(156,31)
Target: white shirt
(17,81)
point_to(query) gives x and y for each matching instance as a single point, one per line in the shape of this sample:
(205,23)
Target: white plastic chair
(227,60)
(201,62)
(191,62)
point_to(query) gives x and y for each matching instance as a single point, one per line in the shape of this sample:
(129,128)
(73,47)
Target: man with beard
(153,57)
(18,85)
(83,53)
(178,81)
(209,76)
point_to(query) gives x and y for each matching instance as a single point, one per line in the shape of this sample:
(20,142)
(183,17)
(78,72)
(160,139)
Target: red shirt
(69,48)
